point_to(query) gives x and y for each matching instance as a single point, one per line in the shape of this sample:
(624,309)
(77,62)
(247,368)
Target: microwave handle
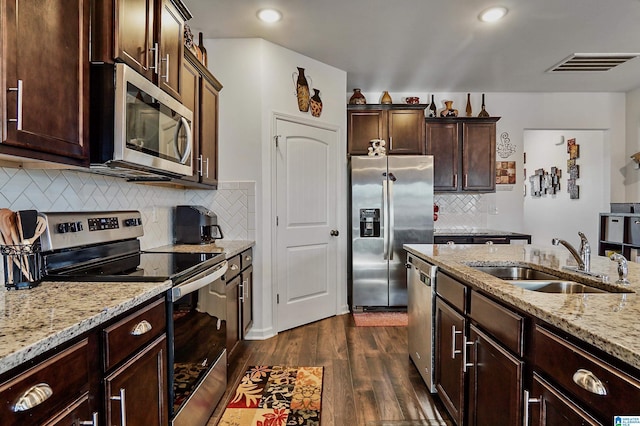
(183,123)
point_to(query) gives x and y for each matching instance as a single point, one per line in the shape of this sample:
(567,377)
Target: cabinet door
(363,126)
(495,382)
(442,143)
(247,300)
(479,156)
(406,132)
(191,99)
(171,30)
(46,81)
(450,327)
(549,406)
(233,314)
(134,35)
(137,390)
(209,133)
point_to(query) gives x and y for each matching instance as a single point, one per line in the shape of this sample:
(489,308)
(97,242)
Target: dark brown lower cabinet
(495,382)
(548,406)
(135,393)
(450,326)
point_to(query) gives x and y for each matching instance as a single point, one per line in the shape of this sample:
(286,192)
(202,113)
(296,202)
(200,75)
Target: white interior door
(306,247)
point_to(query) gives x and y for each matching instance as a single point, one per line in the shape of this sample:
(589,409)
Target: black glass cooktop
(141,266)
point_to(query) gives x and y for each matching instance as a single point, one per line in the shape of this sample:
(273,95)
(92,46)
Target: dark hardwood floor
(369,379)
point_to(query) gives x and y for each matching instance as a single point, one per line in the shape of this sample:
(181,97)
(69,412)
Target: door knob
(334,232)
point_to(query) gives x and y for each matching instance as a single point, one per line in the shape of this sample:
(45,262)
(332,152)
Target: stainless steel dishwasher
(421,281)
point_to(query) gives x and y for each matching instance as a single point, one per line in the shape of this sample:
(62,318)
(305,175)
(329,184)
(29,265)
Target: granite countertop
(474,232)
(35,320)
(605,320)
(229,247)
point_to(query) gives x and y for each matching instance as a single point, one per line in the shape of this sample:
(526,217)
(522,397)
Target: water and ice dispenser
(369,222)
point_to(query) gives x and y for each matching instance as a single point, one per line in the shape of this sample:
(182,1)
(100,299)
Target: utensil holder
(23,266)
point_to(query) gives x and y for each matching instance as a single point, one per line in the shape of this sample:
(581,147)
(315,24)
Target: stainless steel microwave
(138,131)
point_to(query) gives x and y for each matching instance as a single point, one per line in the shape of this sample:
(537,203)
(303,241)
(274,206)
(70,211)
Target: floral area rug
(276,396)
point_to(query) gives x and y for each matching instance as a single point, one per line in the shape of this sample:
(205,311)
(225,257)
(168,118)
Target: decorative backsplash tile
(65,190)
(461,211)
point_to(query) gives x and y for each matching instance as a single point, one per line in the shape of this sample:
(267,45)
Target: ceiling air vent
(579,62)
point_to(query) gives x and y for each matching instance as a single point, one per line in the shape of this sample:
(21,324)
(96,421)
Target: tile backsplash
(66,190)
(461,211)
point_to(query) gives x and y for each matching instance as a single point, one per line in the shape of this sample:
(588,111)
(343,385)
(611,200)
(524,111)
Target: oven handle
(190,286)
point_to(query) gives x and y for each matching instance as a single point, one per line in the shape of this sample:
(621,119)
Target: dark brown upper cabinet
(147,35)
(464,151)
(400,126)
(45,83)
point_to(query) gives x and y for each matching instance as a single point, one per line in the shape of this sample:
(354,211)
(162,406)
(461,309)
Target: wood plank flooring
(369,379)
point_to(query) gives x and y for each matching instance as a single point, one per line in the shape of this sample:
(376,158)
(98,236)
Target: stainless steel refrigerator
(391,205)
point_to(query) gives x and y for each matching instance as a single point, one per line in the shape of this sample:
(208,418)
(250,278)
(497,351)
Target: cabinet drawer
(563,361)
(452,291)
(506,326)
(247,258)
(234,267)
(66,375)
(131,333)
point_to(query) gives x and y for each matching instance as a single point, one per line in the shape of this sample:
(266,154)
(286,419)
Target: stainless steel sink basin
(543,282)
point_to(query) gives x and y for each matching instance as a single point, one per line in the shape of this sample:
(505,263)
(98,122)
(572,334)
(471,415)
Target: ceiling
(441,46)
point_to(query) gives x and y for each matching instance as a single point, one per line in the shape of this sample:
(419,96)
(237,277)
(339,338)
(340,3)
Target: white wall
(629,169)
(257,80)
(504,210)
(558,216)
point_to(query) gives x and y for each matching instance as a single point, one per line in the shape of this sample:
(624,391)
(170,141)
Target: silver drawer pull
(18,119)
(92,422)
(249,258)
(234,267)
(123,406)
(141,328)
(589,382)
(32,397)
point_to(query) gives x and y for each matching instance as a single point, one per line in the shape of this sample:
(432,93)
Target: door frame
(341,212)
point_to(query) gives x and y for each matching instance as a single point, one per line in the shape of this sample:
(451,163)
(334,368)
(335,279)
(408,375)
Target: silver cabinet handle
(465,180)
(123,407)
(18,119)
(245,289)
(589,382)
(527,401)
(249,258)
(207,167)
(141,328)
(465,364)
(637,222)
(390,143)
(166,76)
(92,422)
(32,397)
(234,267)
(455,181)
(454,351)
(242,291)
(154,49)
(200,168)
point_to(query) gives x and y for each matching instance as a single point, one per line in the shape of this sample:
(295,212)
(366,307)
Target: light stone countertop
(35,320)
(609,321)
(229,247)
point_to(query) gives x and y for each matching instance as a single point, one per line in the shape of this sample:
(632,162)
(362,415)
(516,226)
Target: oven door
(197,356)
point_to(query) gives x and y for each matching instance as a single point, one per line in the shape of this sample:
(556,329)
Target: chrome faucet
(583,257)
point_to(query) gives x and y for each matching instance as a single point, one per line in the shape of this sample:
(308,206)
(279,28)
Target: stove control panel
(68,229)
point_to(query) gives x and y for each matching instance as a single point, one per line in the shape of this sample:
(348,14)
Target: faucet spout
(585,251)
(573,251)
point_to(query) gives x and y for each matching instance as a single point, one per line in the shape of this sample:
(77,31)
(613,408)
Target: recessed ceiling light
(493,14)
(269,15)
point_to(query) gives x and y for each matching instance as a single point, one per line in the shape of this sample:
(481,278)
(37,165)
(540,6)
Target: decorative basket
(23,266)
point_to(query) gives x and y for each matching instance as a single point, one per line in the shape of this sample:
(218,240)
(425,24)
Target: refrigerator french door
(391,205)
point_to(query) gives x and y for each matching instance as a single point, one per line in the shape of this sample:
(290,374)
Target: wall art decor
(505,148)
(573,169)
(505,172)
(301,85)
(316,103)
(543,183)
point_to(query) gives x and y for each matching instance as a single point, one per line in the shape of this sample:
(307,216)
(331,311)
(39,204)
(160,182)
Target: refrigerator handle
(385,219)
(391,219)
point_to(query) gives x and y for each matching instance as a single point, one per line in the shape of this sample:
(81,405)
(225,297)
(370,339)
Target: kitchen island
(504,353)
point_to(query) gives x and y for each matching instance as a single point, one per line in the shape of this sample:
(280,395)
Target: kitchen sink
(531,279)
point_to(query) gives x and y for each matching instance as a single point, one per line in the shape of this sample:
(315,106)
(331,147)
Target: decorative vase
(386,98)
(302,89)
(357,98)
(468,110)
(433,111)
(316,103)
(204,59)
(448,111)
(483,112)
